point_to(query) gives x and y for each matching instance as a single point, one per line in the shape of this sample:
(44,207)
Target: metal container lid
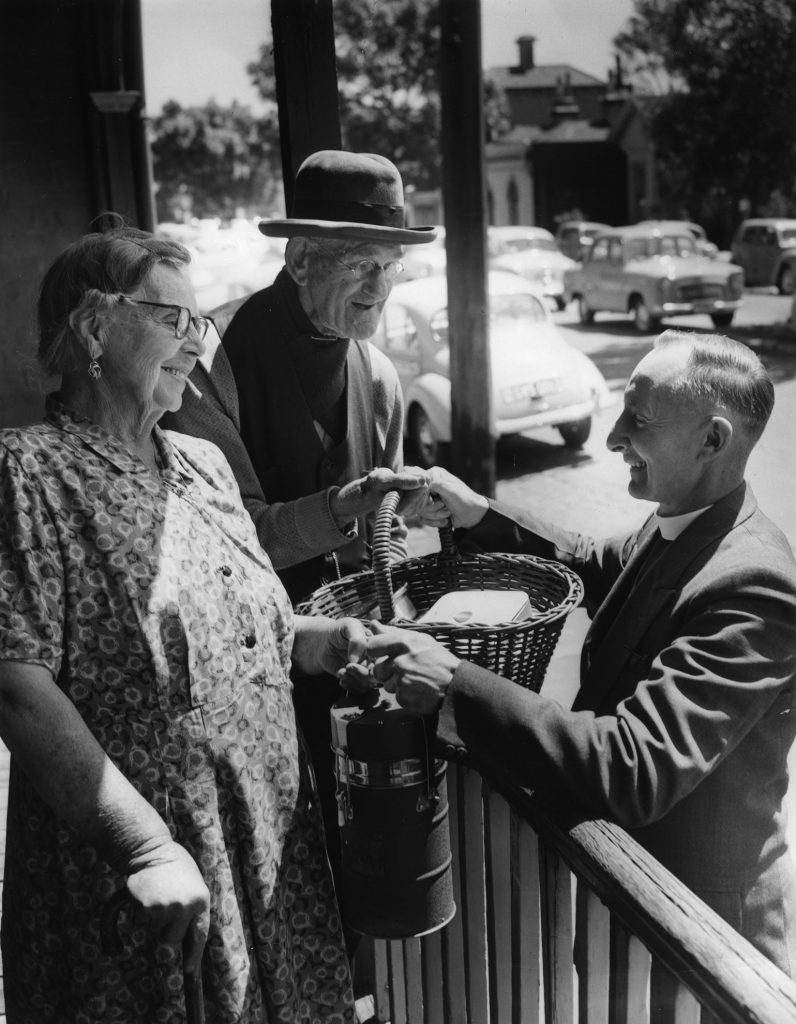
(374,727)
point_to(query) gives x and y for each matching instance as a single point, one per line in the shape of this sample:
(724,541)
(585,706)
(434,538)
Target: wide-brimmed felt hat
(348,195)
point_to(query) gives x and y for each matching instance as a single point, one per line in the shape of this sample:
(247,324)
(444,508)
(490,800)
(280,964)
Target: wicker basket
(520,651)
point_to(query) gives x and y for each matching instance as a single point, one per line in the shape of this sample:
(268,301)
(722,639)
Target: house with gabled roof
(577,144)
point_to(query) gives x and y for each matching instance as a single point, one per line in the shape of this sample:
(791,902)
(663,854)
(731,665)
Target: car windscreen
(513,311)
(661,245)
(787,236)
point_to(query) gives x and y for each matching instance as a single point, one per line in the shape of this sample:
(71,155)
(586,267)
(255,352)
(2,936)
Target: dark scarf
(320,368)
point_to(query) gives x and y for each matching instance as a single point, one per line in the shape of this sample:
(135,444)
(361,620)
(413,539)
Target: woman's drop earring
(94,370)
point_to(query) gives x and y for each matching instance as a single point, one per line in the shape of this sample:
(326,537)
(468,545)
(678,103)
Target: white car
(538,379)
(532,253)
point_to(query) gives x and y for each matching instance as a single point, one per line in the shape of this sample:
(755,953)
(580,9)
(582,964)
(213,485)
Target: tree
(214,160)
(724,131)
(388,58)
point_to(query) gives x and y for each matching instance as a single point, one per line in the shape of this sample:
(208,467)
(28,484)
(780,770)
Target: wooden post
(464,193)
(306,82)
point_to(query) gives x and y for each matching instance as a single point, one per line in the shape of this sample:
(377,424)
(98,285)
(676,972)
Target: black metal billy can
(393,815)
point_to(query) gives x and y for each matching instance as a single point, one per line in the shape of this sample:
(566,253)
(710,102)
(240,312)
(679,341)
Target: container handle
(382,532)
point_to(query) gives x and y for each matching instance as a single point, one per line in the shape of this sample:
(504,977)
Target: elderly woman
(145,646)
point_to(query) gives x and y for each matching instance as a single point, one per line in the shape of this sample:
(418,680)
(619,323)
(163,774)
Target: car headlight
(736,285)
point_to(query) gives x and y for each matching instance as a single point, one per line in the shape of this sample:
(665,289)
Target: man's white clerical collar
(672,526)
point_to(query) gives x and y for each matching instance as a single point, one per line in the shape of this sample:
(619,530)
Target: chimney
(526,44)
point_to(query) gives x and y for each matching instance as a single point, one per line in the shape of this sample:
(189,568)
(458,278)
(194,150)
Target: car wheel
(575,434)
(644,321)
(787,280)
(585,312)
(721,319)
(427,449)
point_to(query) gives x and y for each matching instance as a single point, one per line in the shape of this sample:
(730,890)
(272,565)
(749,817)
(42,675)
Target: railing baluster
(639,967)
(526,924)
(381,981)
(433,980)
(598,961)
(453,937)
(395,956)
(686,1007)
(413,975)
(557,940)
(497,820)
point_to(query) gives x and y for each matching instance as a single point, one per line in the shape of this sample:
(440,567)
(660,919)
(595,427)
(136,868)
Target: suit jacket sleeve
(519,531)
(729,662)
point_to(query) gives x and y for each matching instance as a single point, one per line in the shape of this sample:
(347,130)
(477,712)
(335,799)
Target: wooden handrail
(508,955)
(726,973)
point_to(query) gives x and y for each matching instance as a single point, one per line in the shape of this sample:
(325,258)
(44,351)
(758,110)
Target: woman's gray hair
(86,275)
(725,372)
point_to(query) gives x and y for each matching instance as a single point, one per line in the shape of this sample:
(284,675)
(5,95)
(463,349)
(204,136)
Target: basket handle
(382,531)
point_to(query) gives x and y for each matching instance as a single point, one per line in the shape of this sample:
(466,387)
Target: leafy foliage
(387,68)
(388,57)
(210,160)
(724,130)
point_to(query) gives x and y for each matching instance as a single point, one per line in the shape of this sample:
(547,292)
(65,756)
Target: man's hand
(413,666)
(366,493)
(451,498)
(166,883)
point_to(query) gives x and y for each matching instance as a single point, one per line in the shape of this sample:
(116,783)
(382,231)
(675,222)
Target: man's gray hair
(725,372)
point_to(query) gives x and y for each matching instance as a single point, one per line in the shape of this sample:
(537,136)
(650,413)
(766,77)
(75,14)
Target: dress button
(225,570)
(249,640)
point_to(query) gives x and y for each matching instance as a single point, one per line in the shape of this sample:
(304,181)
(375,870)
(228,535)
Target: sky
(197,50)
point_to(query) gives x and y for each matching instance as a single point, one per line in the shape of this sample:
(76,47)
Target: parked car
(574,237)
(533,254)
(766,249)
(538,379)
(653,272)
(705,247)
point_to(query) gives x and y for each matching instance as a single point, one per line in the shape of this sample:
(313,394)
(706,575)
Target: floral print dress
(152,604)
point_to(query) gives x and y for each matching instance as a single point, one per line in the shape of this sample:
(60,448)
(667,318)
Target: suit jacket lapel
(601,656)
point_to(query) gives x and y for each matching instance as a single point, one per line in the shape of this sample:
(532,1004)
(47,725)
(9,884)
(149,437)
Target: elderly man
(681,728)
(299,402)
(307,412)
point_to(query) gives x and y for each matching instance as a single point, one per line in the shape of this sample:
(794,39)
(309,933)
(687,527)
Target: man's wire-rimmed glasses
(184,321)
(365,268)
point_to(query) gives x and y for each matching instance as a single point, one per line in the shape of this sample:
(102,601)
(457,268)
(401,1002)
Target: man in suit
(681,728)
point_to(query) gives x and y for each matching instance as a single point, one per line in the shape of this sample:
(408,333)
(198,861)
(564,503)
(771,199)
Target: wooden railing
(508,956)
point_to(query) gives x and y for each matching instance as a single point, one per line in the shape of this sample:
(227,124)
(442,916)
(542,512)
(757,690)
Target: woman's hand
(328,645)
(166,883)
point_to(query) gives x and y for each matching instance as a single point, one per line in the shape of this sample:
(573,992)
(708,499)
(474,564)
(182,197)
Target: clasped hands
(430,497)
(412,665)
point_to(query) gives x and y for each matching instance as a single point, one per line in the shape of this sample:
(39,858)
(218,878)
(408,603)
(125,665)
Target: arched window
(513,202)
